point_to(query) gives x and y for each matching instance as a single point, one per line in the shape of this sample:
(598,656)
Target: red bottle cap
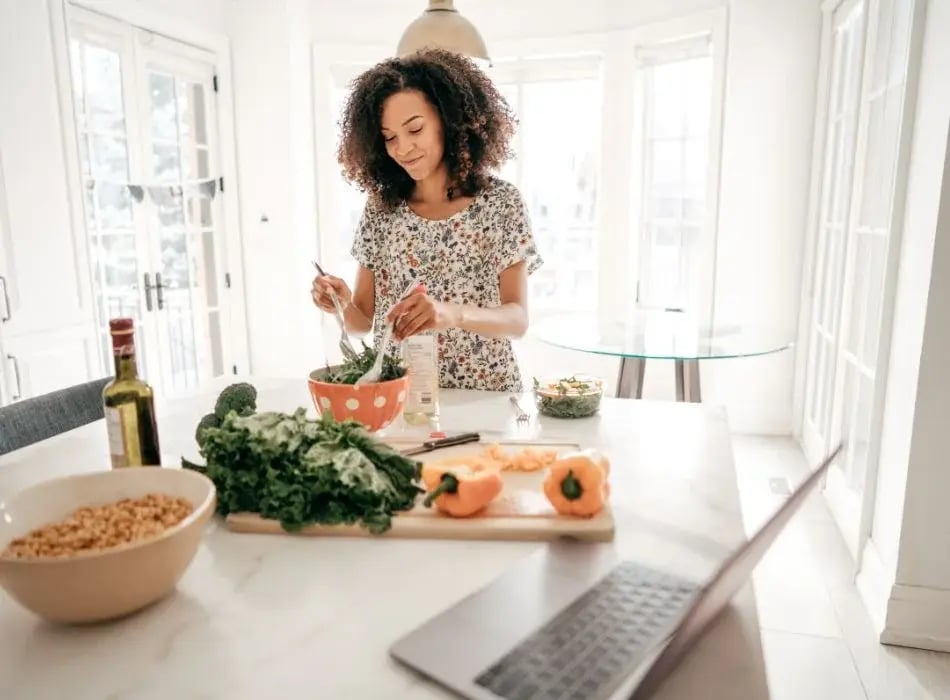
(123,335)
(123,326)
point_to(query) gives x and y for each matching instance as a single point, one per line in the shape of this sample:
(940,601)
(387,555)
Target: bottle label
(422,363)
(116,433)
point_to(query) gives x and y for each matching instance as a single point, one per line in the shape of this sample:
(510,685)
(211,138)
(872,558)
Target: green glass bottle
(129,406)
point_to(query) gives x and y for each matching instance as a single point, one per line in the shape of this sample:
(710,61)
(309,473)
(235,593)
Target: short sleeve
(366,239)
(516,240)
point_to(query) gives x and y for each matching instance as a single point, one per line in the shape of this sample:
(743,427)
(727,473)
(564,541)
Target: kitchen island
(274,616)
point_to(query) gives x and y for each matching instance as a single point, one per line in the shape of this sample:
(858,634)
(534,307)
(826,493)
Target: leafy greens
(302,471)
(354,368)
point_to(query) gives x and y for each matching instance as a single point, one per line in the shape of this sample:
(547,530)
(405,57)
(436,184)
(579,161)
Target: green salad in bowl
(570,397)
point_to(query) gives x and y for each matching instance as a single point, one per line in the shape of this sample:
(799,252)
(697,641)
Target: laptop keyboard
(592,645)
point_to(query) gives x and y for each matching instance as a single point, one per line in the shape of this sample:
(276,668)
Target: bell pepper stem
(448,484)
(571,487)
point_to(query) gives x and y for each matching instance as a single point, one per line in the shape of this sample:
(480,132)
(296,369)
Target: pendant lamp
(442,26)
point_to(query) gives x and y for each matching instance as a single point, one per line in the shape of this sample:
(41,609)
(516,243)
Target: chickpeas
(97,528)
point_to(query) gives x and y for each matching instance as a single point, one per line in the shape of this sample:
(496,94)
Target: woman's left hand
(419,312)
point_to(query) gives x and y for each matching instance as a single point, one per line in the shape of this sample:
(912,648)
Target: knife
(430,445)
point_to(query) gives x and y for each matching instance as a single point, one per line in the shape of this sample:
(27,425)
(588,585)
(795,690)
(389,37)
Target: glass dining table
(659,335)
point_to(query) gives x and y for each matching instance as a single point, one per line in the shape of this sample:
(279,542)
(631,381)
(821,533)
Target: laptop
(572,621)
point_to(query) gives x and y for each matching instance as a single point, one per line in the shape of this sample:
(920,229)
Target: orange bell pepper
(576,484)
(459,490)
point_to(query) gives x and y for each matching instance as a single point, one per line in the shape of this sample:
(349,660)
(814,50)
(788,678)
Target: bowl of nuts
(101,545)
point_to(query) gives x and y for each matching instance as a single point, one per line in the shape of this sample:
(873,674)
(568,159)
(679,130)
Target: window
(671,153)
(558,102)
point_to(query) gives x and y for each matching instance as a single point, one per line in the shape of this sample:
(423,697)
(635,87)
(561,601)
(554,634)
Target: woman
(420,135)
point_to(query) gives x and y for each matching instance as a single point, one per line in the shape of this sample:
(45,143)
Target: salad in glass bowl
(577,396)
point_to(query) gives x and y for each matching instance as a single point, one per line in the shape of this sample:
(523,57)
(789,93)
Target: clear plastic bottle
(422,361)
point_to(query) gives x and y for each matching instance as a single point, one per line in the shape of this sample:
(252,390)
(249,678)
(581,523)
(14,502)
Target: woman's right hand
(320,292)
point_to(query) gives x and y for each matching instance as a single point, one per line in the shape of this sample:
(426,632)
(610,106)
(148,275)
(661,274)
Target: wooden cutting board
(521,512)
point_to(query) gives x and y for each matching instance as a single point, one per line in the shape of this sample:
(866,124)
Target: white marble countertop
(264,616)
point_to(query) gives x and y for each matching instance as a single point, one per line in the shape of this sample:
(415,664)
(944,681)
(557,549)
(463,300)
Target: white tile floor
(818,640)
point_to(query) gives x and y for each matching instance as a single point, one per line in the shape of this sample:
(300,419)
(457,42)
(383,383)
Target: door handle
(148,292)
(7,314)
(158,287)
(17,395)
(158,290)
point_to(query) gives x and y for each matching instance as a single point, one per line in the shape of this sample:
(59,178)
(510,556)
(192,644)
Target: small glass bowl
(575,396)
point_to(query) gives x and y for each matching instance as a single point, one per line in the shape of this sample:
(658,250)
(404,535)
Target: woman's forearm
(505,321)
(356,319)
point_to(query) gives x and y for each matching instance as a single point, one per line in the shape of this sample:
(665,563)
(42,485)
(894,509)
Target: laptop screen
(730,577)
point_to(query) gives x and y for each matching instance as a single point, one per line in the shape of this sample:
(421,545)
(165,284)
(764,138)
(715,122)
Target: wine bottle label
(422,362)
(116,433)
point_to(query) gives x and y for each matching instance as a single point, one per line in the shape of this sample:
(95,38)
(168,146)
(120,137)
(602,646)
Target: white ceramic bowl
(100,585)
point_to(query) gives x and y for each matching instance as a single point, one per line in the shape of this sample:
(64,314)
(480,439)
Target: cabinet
(47,333)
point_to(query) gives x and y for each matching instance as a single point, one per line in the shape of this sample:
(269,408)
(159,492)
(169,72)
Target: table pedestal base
(632,369)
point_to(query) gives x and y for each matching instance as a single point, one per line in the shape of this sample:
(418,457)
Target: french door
(859,216)
(841,125)
(146,119)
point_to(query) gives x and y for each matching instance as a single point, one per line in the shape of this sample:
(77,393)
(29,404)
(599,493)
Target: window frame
(660,39)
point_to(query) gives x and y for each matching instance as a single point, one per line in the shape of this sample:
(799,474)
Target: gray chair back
(40,417)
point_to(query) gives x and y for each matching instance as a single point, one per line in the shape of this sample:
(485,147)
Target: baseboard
(874,584)
(918,617)
(902,615)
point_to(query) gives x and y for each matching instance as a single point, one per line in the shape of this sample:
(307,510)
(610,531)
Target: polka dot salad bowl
(375,405)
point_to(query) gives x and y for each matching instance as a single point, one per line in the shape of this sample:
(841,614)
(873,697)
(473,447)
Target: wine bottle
(129,406)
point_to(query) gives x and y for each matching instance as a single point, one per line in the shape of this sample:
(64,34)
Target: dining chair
(40,417)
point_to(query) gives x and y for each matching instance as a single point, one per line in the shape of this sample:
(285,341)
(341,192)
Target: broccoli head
(209,420)
(240,398)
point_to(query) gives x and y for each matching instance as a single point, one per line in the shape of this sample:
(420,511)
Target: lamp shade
(441,26)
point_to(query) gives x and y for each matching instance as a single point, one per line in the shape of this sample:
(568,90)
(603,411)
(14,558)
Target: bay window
(616,155)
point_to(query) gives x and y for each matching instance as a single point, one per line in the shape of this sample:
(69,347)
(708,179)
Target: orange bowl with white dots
(375,405)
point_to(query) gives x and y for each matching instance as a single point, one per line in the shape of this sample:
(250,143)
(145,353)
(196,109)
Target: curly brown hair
(477,124)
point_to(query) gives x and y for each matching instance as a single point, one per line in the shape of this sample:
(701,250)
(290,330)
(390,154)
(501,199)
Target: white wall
(270,43)
(924,556)
(50,333)
(772,66)
(913,284)
(204,15)
(32,149)
(908,546)
(770,102)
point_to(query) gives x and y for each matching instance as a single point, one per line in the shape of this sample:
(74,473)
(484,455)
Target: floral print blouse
(459,260)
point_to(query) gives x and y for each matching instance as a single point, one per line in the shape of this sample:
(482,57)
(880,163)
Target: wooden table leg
(687,381)
(630,378)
